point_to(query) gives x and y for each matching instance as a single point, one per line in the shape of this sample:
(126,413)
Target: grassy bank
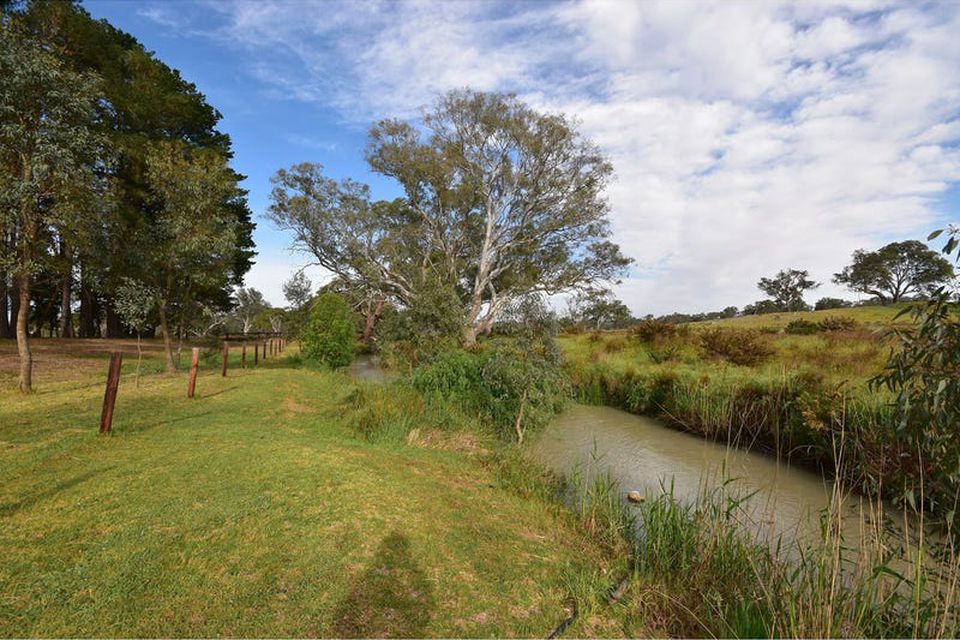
(794,385)
(263,508)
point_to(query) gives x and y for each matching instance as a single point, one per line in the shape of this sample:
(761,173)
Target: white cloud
(268,275)
(747,137)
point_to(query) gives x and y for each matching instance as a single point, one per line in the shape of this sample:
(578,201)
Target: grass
(258,508)
(696,571)
(873,315)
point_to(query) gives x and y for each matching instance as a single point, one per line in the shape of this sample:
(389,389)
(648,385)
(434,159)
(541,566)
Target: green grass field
(875,316)
(255,509)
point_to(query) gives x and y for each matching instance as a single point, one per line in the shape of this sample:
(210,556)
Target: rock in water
(635,496)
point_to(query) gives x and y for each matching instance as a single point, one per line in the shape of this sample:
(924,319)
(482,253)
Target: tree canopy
(896,270)
(133,143)
(787,288)
(501,202)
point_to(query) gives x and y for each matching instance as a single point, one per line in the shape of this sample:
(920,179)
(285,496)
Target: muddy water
(367,367)
(644,455)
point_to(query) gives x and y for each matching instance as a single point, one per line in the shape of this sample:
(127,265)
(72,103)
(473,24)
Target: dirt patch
(459,441)
(293,406)
(61,359)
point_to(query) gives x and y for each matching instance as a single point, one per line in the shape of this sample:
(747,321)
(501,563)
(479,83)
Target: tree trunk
(14,309)
(23,341)
(469,335)
(518,426)
(86,310)
(114,327)
(66,284)
(372,318)
(4,307)
(167,341)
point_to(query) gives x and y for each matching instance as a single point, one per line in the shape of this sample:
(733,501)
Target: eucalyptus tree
(49,147)
(250,304)
(895,271)
(191,244)
(367,245)
(135,302)
(509,201)
(298,290)
(787,288)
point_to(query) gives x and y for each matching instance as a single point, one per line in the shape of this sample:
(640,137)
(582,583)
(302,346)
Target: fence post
(226,354)
(243,354)
(256,353)
(194,366)
(264,350)
(110,395)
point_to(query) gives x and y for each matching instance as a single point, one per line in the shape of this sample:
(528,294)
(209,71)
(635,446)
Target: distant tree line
(119,212)
(897,272)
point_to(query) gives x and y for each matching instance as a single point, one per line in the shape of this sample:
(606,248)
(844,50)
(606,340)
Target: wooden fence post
(110,396)
(272,349)
(194,366)
(226,354)
(264,350)
(256,353)
(243,355)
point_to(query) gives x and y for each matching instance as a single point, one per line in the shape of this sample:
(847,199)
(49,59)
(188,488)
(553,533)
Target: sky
(747,137)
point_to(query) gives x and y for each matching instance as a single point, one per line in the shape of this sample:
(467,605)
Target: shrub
(802,327)
(831,303)
(744,347)
(648,331)
(516,385)
(615,344)
(838,323)
(330,336)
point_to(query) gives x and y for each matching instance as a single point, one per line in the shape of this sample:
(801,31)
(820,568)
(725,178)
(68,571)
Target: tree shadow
(392,598)
(9,509)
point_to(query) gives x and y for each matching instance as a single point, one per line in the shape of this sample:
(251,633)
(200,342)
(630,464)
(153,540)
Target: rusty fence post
(194,366)
(110,395)
(226,355)
(243,355)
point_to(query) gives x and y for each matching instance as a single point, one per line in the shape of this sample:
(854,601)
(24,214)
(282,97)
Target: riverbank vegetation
(795,386)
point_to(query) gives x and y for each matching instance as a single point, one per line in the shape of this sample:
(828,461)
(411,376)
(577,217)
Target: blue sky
(746,137)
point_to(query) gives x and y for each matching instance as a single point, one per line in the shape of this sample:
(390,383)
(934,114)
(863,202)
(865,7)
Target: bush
(516,385)
(744,347)
(838,323)
(831,303)
(330,336)
(648,331)
(802,327)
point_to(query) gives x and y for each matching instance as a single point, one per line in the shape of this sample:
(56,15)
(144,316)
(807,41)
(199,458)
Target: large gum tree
(509,201)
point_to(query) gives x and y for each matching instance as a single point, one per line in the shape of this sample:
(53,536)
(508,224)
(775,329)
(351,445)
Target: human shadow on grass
(392,598)
(10,508)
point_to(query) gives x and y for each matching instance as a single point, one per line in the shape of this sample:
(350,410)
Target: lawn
(255,509)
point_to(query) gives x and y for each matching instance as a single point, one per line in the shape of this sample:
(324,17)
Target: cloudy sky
(746,137)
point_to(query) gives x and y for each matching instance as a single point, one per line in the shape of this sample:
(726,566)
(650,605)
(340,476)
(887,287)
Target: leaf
(934,235)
